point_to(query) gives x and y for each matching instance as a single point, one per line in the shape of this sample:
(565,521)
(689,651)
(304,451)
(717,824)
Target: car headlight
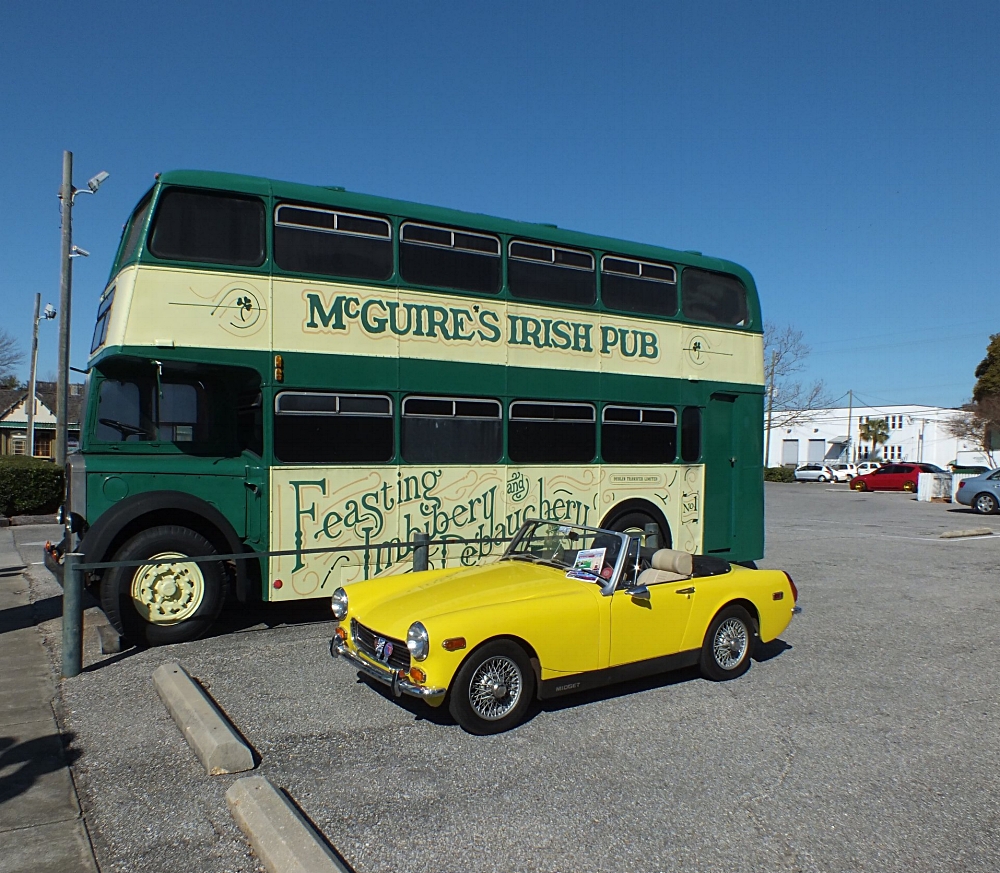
(338,604)
(417,641)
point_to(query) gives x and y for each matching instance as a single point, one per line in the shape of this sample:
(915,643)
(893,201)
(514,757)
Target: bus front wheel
(167,599)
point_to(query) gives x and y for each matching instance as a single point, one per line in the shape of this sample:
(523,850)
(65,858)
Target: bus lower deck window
(451,431)
(320,427)
(551,433)
(638,435)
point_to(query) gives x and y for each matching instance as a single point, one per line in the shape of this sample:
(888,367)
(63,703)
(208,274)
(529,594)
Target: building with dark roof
(14,419)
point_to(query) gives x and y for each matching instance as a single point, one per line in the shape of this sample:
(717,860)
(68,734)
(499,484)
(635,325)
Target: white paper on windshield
(590,561)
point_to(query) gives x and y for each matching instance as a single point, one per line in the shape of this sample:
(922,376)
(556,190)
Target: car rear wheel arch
(751,609)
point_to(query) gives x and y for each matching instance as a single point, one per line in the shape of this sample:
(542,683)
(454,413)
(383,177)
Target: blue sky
(847,154)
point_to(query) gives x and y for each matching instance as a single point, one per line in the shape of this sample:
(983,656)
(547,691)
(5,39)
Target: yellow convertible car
(566,608)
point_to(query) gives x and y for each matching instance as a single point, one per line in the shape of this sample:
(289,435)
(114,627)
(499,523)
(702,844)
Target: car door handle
(684,591)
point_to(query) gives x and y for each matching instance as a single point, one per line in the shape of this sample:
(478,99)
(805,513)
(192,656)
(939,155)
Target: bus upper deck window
(208,227)
(713,297)
(331,242)
(641,287)
(537,271)
(449,258)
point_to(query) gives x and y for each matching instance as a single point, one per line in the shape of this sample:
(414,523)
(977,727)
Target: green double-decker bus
(288,368)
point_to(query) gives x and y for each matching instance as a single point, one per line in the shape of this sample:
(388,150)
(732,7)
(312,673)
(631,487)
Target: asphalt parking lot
(864,739)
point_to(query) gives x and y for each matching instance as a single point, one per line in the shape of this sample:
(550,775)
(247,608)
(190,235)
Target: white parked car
(814,473)
(867,467)
(843,472)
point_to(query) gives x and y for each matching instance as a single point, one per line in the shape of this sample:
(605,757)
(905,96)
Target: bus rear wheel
(635,522)
(168,599)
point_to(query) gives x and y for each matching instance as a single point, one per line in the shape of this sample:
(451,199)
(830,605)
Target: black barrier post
(421,553)
(72,616)
(652,535)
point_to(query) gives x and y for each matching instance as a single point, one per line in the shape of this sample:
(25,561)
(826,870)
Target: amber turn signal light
(340,634)
(453,644)
(418,675)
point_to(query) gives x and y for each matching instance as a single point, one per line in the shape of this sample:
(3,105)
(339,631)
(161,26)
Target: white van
(868,467)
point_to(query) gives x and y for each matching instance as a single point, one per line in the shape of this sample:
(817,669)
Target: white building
(916,433)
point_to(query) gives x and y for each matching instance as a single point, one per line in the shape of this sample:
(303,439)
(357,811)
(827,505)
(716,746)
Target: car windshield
(585,553)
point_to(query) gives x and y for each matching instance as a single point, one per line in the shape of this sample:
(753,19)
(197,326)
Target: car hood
(392,611)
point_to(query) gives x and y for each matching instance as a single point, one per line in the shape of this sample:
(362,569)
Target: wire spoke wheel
(729,645)
(495,688)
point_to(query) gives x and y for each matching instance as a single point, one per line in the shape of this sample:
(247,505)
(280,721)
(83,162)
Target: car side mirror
(638,592)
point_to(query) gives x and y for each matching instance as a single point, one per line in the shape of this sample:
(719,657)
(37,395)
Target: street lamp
(48,314)
(67,194)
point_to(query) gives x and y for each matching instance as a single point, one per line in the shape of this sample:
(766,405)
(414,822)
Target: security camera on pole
(67,194)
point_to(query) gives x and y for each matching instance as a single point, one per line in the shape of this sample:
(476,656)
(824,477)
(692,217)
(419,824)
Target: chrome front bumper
(386,676)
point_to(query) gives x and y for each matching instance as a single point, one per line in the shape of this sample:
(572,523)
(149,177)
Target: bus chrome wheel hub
(168,590)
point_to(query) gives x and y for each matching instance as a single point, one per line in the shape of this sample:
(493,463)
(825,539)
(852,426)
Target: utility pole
(49,313)
(850,413)
(31,378)
(65,288)
(770,408)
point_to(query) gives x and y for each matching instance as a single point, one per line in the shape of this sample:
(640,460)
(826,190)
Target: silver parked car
(981,492)
(814,473)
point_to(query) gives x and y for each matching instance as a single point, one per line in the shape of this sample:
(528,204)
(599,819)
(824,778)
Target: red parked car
(894,477)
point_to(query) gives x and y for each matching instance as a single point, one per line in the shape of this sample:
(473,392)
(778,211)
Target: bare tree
(10,353)
(787,402)
(978,423)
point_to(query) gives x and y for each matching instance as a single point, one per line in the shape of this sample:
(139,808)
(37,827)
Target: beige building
(14,419)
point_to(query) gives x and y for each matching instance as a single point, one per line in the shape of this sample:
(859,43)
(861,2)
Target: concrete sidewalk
(41,827)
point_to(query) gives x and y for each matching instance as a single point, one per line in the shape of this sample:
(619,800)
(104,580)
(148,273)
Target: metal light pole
(67,194)
(49,313)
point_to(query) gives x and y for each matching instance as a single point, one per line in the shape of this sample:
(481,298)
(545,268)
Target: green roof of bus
(336,196)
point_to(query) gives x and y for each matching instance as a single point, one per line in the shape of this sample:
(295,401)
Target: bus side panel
(376,510)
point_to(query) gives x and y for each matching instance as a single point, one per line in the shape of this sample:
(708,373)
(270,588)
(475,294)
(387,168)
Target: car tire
(493,689)
(909,487)
(728,645)
(984,504)
(859,486)
(165,601)
(849,477)
(821,479)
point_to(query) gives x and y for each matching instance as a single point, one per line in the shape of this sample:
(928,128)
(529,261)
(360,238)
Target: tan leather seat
(669,565)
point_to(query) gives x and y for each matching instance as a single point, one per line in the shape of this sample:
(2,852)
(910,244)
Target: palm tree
(874,431)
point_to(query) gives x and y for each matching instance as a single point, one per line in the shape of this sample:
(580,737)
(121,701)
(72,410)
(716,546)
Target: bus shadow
(246,618)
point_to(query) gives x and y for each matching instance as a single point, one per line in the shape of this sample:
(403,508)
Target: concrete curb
(24,520)
(217,745)
(975,532)
(282,838)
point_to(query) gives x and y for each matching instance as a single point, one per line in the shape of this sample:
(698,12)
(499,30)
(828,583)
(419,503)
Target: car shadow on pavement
(765,651)
(23,764)
(440,716)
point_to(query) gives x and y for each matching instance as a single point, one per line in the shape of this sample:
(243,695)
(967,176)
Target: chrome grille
(365,640)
